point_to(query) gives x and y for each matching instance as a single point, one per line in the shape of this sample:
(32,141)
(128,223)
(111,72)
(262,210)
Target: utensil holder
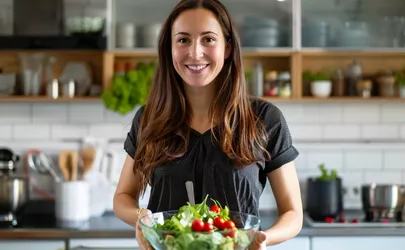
(72,201)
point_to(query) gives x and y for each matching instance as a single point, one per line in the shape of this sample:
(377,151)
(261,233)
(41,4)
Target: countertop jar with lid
(284,84)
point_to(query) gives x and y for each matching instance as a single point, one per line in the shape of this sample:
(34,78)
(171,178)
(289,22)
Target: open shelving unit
(295,58)
(296,62)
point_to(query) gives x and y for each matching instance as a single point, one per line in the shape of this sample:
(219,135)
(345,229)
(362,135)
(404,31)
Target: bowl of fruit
(200,226)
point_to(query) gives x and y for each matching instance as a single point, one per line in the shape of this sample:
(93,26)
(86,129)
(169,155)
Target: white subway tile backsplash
(351,181)
(394,159)
(45,113)
(331,113)
(382,177)
(267,200)
(361,113)
(85,113)
(355,139)
(15,113)
(331,159)
(292,112)
(301,160)
(115,117)
(108,131)
(380,131)
(63,132)
(341,132)
(306,132)
(6,131)
(356,159)
(393,113)
(402,132)
(32,131)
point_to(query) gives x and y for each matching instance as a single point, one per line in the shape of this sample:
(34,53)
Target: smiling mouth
(197,68)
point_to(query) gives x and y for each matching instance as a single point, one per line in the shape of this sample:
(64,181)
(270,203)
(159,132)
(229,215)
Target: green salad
(198,227)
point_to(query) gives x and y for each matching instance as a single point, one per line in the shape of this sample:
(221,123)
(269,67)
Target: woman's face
(198,47)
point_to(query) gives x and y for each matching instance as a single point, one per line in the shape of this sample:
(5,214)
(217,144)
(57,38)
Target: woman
(200,125)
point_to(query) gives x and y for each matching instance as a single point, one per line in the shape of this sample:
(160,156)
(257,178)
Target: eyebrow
(202,33)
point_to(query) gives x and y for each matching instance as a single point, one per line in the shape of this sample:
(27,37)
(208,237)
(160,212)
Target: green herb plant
(129,89)
(325,175)
(400,78)
(308,76)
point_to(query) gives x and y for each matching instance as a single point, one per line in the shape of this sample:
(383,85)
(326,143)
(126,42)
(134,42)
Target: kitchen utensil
(50,166)
(381,197)
(35,163)
(88,154)
(13,188)
(190,192)
(246,224)
(72,201)
(68,164)
(324,198)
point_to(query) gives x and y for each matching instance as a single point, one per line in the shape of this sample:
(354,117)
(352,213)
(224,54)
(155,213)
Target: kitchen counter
(109,226)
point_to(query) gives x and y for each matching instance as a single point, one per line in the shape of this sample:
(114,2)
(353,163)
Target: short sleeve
(279,145)
(131,140)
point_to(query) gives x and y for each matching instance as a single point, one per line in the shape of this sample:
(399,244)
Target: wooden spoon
(88,155)
(63,161)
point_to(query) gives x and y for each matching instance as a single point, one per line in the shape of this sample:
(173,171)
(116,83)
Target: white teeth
(199,67)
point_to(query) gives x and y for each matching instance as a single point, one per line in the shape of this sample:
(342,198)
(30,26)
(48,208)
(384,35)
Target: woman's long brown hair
(164,128)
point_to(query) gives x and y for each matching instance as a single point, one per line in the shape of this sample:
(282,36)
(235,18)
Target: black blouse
(212,171)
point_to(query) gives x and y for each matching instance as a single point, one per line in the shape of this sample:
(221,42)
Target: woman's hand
(142,242)
(259,242)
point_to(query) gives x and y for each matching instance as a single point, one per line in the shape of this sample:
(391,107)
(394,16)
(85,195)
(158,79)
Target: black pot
(324,198)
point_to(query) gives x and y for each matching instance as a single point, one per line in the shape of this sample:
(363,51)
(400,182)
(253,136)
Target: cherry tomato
(329,220)
(355,221)
(208,227)
(215,208)
(219,223)
(229,224)
(231,233)
(342,220)
(197,225)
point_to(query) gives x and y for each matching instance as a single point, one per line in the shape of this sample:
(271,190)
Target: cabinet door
(261,24)
(99,243)
(358,243)
(32,245)
(353,24)
(297,243)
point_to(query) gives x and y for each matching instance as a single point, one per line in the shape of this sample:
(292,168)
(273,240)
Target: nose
(196,51)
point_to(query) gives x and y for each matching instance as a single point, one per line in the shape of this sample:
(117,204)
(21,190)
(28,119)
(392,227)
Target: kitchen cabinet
(104,243)
(353,24)
(322,37)
(358,243)
(297,243)
(265,24)
(31,244)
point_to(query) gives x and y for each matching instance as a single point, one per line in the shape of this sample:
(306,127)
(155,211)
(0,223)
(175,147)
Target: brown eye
(182,40)
(209,40)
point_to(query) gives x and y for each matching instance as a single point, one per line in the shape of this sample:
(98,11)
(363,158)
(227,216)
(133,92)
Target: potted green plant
(324,196)
(400,79)
(321,85)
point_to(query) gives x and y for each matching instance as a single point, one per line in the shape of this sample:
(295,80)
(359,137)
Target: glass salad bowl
(187,229)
